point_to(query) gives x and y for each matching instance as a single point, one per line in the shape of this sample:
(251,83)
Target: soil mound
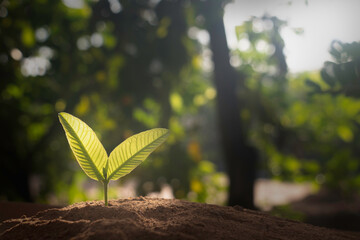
(149,218)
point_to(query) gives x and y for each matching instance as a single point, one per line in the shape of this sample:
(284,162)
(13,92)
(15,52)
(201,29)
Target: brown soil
(149,218)
(10,210)
(330,209)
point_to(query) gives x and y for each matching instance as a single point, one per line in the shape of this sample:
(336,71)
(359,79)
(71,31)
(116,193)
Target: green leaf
(133,151)
(88,150)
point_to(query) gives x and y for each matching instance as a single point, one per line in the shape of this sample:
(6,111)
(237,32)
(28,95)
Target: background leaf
(88,150)
(134,150)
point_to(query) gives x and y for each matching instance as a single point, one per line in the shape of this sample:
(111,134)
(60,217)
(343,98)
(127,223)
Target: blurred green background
(127,66)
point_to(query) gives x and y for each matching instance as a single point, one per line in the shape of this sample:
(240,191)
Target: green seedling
(92,156)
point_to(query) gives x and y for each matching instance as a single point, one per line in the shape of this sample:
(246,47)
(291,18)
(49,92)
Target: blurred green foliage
(286,211)
(304,125)
(123,67)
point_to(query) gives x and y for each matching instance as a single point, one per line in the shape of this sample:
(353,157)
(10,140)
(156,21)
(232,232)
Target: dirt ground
(150,218)
(330,209)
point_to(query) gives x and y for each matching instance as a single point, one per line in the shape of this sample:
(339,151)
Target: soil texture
(150,218)
(331,210)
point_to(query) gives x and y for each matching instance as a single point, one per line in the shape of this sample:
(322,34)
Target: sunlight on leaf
(85,145)
(133,151)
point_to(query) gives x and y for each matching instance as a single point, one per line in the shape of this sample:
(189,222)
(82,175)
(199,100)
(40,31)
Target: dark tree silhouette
(240,157)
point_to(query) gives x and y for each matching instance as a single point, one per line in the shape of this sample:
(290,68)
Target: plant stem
(106,192)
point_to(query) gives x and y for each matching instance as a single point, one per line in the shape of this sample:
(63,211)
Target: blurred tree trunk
(240,157)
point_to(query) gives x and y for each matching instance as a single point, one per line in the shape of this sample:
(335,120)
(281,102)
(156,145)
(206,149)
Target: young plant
(93,159)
